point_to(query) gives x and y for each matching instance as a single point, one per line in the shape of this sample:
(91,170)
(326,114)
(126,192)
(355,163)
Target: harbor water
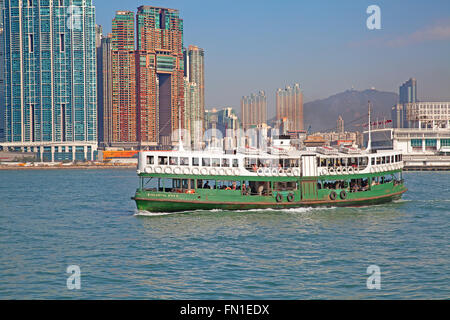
(52,219)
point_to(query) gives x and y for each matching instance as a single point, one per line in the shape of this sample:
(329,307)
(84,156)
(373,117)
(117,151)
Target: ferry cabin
(186,180)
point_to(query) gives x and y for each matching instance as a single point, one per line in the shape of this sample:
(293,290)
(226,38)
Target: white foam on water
(142,213)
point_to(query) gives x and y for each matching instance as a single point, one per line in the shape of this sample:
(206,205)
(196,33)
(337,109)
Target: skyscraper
(408,91)
(160,72)
(289,104)
(193,119)
(50,76)
(106,87)
(195,92)
(123,75)
(2,75)
(254,110)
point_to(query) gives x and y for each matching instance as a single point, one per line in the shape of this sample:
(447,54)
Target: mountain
(322,115)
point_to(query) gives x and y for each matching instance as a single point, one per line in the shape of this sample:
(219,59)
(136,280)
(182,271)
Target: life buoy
(281,172)
(331,171)
(343,195)
(274,172)
(204,171)
(296,172)
(344,170)
(177,170)
(212,171)
(351,170)
(324,171)
(186,171)
(289,172)
(237,171)
(333,195)
(290,197)
(221,172)
(279,197)
(195,171)
(267,172)
(158,169)
(338,170)
(148,170)
(168,170)
(229,171)
(260,172)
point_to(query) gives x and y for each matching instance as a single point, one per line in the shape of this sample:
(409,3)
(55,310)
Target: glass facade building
(50,78)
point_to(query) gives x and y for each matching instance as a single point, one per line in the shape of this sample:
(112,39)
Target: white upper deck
(250,162)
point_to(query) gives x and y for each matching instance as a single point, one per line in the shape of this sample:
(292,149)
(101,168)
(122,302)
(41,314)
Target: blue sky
(324,45)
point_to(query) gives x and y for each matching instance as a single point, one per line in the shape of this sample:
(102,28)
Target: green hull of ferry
(307,194)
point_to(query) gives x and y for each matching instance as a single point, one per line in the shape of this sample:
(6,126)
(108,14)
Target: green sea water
(51,219)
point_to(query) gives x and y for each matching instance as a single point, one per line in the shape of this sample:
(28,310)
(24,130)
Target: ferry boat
(279,178)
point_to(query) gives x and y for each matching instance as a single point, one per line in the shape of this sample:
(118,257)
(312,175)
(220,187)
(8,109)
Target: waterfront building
(425,138)
(50,79)
(2,75)
(105,86)
(192,117)
(123,76)
(160,72)
(289,104)
(195,75)
(408,91)
(254,110)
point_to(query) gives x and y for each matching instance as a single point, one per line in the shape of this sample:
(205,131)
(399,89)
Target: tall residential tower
(50,78)
(254,110)
(160,71)
(290,105)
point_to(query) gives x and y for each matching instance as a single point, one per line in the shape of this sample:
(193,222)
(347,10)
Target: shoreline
(58,167)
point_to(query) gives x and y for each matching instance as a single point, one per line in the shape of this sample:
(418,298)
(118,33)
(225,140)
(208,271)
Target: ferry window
(229,185)
(293,163)
(257,188)
(373,161)
(195,162)
(323,162)
(173,161)
(388,159)
(225,163)
(162,161)
(206,184)
(383,160)
(216,162)
(150,159)
(364,161)
(184,161)
(235,163)
(392,159)
(378,160)
(206,162)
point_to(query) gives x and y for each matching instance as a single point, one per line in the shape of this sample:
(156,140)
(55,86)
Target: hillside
(351,104)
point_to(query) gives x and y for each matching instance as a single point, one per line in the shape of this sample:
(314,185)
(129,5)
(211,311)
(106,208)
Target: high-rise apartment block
(254,110)
(123,74)
(289,104)
(50,78)
(160,71)
(194,93)
(147,70)
(408,91)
